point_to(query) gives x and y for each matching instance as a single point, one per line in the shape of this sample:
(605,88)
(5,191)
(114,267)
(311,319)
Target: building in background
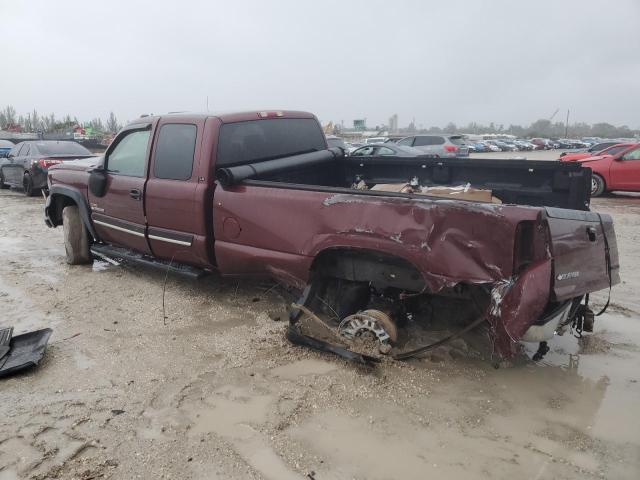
(360,124)
(393,123)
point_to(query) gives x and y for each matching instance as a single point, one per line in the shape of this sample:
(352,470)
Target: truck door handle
(135,193)
(591,232)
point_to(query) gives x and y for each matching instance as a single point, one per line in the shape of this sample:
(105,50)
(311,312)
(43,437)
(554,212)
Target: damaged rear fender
(517,304)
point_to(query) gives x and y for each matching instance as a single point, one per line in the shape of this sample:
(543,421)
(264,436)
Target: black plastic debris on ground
(25,351)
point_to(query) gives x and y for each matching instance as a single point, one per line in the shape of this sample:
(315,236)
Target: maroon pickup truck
(260,194)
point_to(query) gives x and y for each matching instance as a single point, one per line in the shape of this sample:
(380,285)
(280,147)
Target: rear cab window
(266,139)
(176,146)
(457,140)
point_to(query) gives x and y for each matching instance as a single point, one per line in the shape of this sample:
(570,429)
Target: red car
(615,172)
(612,150)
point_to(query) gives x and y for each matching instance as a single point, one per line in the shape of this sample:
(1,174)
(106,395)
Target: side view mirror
(11,155)
(98,182)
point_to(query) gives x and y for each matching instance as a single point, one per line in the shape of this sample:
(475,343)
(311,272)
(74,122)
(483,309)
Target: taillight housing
(451,148)
(48,162)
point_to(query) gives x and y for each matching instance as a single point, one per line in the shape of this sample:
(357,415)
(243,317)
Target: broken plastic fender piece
(297,338)
(25,351)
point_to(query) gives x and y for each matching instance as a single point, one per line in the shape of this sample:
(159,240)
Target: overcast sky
(502,61)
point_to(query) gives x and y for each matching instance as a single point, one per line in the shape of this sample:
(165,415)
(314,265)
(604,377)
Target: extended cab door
(118,216)
(174,198)
(625,170)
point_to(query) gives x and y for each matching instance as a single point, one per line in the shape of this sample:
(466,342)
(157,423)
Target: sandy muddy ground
(217,392)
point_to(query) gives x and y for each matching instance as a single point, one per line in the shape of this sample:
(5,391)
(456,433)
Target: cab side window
(130,154)
(174,153)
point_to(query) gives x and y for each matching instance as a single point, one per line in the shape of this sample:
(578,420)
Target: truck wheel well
(59,202)
(359,265)
(65,196)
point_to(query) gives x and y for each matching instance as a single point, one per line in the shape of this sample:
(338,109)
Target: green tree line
(540,128)
(35,122)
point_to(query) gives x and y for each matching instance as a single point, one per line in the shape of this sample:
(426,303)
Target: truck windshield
(259,140)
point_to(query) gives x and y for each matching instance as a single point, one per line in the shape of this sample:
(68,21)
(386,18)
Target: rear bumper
(546,328)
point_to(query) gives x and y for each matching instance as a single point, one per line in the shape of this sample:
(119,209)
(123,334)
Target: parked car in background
(612,150)
(334,141)
(615,172)
(562,143)
(523,145)
(480,147)
(5,148)
(540,143)
(375,140)
(592,150)
(28,163)
(439,145)
(387,149)
(503,146)
(491,147)
(511,145)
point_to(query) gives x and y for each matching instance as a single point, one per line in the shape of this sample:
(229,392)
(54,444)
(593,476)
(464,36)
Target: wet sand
(218,392)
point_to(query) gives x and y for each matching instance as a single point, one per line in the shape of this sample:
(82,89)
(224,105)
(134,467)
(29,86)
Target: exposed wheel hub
(369,323)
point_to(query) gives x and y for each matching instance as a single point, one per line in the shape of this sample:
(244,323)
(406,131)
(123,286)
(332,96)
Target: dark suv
(438,145)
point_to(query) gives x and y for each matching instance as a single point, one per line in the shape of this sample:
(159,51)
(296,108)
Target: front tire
(76,237)
(598,185)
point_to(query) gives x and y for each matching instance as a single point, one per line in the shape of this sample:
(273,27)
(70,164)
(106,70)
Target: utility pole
(207,103)
(566,126)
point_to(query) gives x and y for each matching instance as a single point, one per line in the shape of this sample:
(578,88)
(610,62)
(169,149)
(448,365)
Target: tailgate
(578,246)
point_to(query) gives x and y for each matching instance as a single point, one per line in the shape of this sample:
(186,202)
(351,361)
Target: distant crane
(554,114)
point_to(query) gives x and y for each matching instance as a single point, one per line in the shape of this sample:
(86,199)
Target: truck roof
(228,117)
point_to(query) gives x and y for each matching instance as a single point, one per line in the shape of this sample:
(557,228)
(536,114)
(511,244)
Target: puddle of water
(300,368)
(356,449)
(18,311)
(230,413)
(228,409)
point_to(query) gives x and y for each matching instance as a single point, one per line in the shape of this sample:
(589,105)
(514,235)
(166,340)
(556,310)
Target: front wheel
(76,237)
(597,185)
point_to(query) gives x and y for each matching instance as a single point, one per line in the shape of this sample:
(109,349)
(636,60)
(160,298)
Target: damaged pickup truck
(373,246)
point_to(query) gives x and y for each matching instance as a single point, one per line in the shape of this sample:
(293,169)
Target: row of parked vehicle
(614,166)
(461,146)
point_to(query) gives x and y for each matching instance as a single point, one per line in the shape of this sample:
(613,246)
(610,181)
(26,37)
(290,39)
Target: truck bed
(534,183)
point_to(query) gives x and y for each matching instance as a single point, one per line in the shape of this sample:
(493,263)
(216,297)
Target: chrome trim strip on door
(169,240)
(121,229)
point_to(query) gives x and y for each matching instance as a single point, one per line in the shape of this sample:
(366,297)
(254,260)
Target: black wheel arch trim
(79,199)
